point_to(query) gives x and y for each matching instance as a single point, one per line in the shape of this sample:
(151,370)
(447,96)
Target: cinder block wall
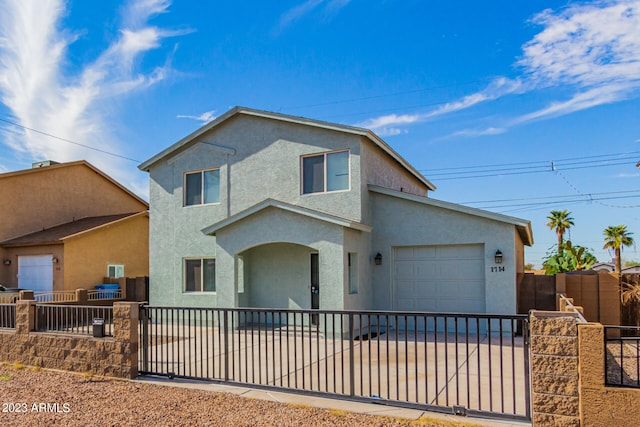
(115,356)
(600,405)
(554,369)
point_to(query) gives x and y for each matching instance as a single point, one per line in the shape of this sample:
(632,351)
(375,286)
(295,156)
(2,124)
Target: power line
(546,162)
(546,167)
(69,141)
(547,197)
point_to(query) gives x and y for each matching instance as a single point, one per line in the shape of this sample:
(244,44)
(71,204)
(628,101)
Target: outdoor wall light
(7,262)
(498,257)
(378,258)
(54,260)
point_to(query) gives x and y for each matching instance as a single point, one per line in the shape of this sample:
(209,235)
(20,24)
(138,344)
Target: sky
(516,107)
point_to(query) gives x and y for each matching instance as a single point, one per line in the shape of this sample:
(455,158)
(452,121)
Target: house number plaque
(497,269)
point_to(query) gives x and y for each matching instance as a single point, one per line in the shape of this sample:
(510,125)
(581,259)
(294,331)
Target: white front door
(35,272)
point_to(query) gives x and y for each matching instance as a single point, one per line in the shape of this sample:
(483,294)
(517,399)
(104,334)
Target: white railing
(104,294)
(55,296)
(9,297)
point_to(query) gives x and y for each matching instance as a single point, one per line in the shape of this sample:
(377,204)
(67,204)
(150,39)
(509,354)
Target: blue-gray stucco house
(259,209)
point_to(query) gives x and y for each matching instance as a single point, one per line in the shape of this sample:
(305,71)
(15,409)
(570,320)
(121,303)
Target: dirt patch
(37,397)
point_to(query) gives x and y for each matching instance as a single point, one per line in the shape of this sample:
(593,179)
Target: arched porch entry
(278,275)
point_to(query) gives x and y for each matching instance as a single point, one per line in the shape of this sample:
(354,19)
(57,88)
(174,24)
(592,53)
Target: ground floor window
(200,275)
(352,262)
(115,270)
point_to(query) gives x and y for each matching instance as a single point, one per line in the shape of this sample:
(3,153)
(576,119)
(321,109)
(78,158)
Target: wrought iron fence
(622,356)
(476,364)
(72,319)
(7,316)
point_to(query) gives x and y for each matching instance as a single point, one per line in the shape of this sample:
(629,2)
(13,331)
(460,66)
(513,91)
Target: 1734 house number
(497,269)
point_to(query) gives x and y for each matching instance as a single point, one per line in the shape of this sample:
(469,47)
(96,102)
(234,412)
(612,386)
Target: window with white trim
(115,270)
(202,187)
(200,275)
(325,172)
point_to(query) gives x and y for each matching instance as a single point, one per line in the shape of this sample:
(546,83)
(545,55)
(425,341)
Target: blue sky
(514,107)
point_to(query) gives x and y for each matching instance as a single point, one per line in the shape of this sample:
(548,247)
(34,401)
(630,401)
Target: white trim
(184,187)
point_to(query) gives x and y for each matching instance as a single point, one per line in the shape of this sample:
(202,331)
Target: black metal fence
(622,356)
(73,319)
(475,364)
(7,316)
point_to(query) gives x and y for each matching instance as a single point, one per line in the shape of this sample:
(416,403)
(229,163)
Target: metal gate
(463,364)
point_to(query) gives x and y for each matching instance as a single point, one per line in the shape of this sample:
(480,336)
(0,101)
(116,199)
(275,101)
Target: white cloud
(499,87)
(390,131)
(591,49)
(297,12)
(41,94)
(205,117)
(479,132)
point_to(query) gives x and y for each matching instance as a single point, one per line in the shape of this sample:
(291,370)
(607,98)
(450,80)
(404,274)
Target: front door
(315,287)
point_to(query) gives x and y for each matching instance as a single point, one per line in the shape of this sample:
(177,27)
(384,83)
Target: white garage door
(448,278)
(35,272)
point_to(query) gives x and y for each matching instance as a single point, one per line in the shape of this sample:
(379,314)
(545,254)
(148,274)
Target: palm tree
(616,237)
(560,221)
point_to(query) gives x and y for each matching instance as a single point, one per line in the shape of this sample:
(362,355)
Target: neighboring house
(67,226)
(258,209)
(635,269)
(604,266)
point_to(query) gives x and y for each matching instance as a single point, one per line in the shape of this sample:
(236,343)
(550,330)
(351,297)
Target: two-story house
(65,226)
(258,209)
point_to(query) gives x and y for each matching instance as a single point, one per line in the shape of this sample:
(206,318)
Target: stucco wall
(399,222)
(278,276)
(277,226)
(266,164)
(359,243)
(56,195)
(9,276)
(381,170)
(87,256)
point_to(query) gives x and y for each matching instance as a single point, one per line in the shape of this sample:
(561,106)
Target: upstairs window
(202,187)
(325,172)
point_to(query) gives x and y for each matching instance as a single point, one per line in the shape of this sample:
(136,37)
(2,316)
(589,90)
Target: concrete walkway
(325,403)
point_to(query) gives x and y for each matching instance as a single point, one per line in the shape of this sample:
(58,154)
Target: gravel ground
(53,398)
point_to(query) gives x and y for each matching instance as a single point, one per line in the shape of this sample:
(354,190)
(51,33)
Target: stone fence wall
(115,356)
(568,374)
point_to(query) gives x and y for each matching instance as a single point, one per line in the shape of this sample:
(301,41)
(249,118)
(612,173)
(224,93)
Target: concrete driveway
(476,372)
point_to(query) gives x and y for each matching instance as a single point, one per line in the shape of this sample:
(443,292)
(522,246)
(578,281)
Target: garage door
(448,278)
(35,272)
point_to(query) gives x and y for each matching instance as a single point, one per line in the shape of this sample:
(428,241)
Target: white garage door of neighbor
(35,272)
(447,278)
